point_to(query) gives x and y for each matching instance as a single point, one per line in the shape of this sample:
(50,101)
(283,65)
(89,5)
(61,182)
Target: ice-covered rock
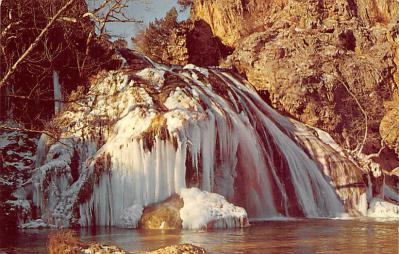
(17,157)
(383,209)
(39,223)
(203,210)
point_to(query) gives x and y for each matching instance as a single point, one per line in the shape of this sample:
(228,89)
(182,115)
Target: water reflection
(300,236)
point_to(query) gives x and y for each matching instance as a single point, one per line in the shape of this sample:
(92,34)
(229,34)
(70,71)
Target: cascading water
(159,129)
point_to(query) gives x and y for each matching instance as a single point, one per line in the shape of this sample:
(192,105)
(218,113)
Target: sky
(145,10)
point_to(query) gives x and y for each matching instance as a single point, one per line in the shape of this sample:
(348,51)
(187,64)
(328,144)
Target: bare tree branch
(359,149)
(35,43)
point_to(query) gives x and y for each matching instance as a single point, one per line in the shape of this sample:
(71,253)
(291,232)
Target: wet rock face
(164,215)
(323,62)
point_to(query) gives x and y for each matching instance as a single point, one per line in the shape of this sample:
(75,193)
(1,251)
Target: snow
(131,216)
(6,138)
(22,204)
(39,223)
(156,77)
(203,210)
(194,67)
(17,162)
(383,209)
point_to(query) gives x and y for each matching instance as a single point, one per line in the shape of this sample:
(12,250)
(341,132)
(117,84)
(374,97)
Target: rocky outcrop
(330,64)
(68,242)
(326,78)
(389,128)
(179,249)
(374,12)
(204,49)
(181,43)
(173,249)
(232,20)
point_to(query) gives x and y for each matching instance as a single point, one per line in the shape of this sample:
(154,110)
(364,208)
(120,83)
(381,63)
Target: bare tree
(35,43)
(38,38)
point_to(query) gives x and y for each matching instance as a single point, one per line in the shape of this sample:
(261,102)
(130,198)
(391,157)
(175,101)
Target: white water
(216,135)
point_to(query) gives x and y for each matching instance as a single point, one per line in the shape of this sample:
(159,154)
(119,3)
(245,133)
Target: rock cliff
(232,20)
(330,64)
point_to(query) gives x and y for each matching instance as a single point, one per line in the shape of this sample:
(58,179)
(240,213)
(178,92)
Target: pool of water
(294,236)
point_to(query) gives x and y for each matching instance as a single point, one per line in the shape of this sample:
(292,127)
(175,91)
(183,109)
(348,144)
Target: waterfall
(41,150)
(160,129)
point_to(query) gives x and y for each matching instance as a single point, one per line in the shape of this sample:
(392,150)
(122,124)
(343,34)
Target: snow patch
(39,223)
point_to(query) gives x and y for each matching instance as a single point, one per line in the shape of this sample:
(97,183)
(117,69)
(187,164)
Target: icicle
(41,150)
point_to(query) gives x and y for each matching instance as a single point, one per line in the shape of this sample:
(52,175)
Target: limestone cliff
(233,19)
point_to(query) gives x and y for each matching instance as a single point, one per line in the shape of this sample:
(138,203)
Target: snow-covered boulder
(383,209)
(203,209)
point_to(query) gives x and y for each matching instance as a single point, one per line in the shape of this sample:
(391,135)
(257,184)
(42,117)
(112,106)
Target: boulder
(164,215)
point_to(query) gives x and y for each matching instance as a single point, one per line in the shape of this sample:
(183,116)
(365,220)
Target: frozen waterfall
(160,129)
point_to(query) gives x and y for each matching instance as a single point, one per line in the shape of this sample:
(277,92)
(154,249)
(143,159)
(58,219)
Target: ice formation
(39,223)
(383,209)
(131,216)
(203,210)
(143,134)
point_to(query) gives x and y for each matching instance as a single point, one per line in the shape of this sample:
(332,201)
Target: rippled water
(299,236)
